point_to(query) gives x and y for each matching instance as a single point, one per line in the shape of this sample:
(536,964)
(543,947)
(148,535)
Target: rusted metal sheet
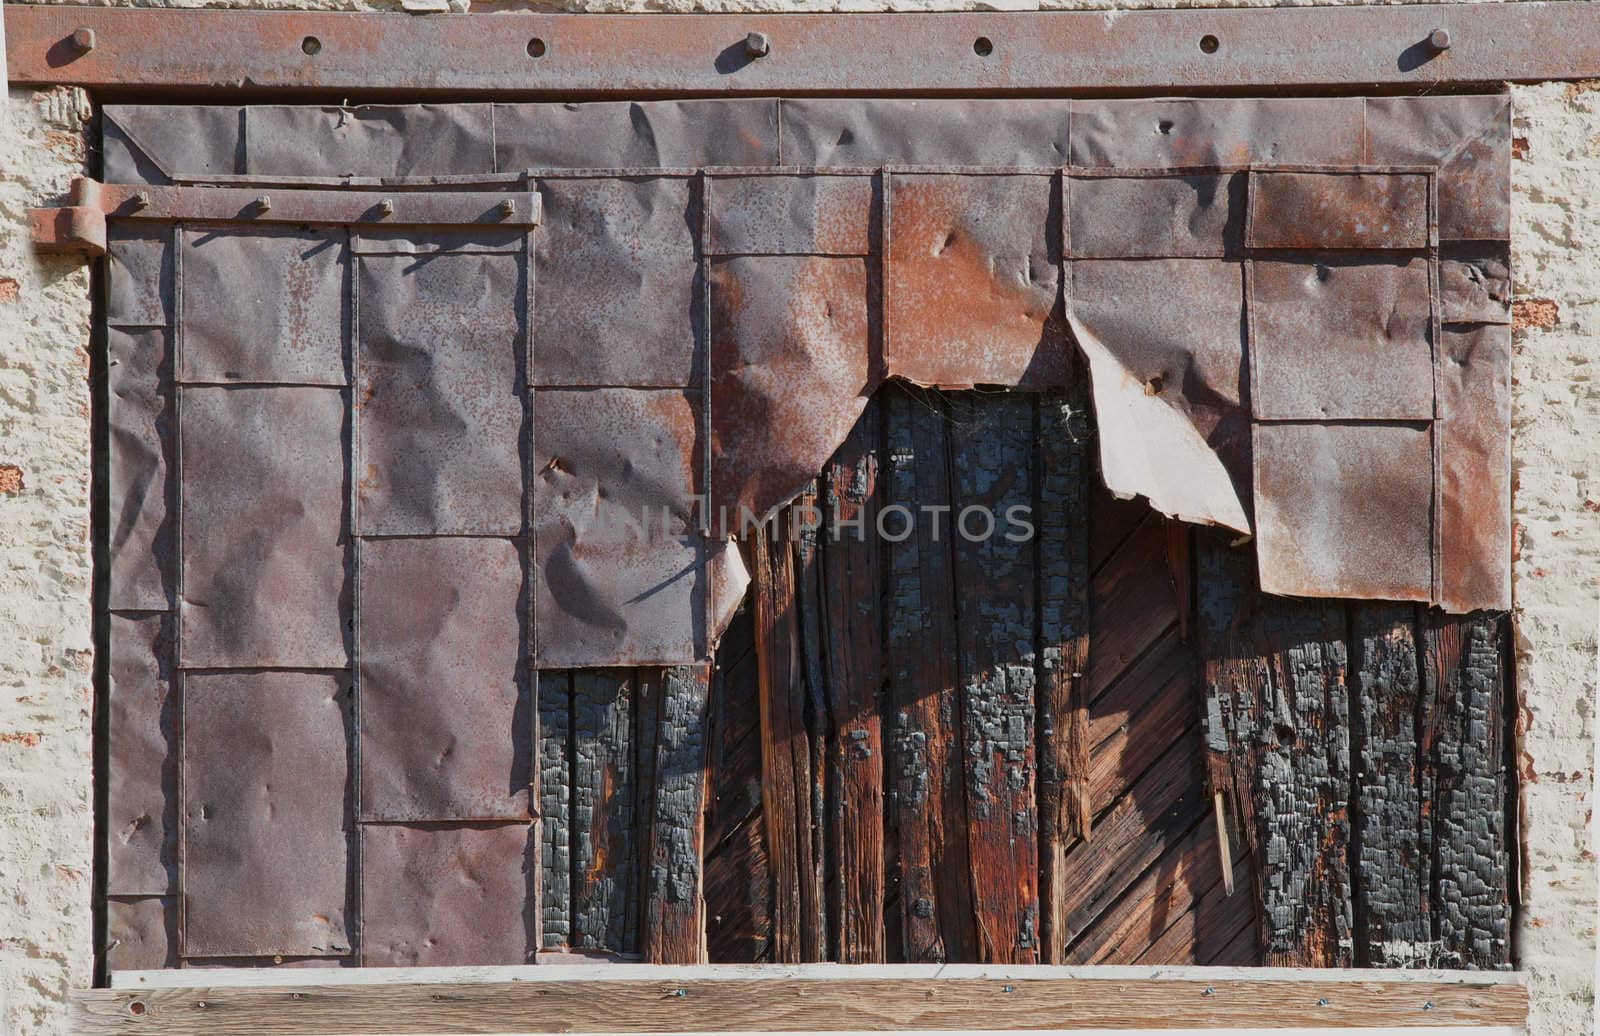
(372,140)
(142,493)
(872,132)
(266,305)
(266,786)
(1344,508)
(345,54)
(616,297)
(447,896)
(446,726)
(1475,285)
(1469,139)
(1172,133)
(974,282)
(1474,491)
(1141,217)
(791,215)
(683,134)
(263,535)
(141,933)
(1335,337)
(138,275)
(142,746)
(155,143)
(1339,210)
(440,349)
(791,351)
(1169,382)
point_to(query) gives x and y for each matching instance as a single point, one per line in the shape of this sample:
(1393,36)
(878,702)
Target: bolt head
(264,204)
(508,208)
(83,40)
(1439,39)
(757,45)
(386,207)
(141,200)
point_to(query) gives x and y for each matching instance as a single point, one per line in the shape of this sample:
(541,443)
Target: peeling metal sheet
(1135,217)
(266,808)
(141,933)
(1469,138)
(617,298)
(451,896)
(791,215)
(446,722)
(1173,133)
(791,351)
(439,406)
(138,275)
(142,743)
(637,134)
(1475,285)
(369,140)
(142,531)
(1344,510)
(1334,337)
(150,143)
(264,530)
(1474,500)
(857,132)
(286,312)
(1169,380)
(1339,210)
(974,282)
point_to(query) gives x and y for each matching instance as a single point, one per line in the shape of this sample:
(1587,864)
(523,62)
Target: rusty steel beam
(267,53)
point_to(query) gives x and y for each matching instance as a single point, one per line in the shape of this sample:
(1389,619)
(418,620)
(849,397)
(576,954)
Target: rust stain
(1519,147)
(1540,314)
(28,739)
(11,480)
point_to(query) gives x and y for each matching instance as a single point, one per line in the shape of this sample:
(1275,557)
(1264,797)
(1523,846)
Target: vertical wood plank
(1393,926)
(926,769)
(554,689)
(991,463)
(785,746)
(1465,784)
(1278,738)
(852,585)
(603,841)
(674,932)
(1063,564)
(806,522)
(646,720)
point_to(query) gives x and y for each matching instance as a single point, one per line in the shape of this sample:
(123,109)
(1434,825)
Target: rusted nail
(1439,39)
(83,40)
(141,200)
(757,45)
(386,208)
(264,203)
(508,208)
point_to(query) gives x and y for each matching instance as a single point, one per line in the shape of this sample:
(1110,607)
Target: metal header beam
(1411,46)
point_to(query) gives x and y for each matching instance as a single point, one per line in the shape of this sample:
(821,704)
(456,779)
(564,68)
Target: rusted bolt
(83,40)
(757,45)
(508,208)
(386,208)
(141,200)
(264,204)
(1439,39)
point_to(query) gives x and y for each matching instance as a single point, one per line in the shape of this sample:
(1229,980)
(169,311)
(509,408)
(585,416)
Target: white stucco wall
(45,615)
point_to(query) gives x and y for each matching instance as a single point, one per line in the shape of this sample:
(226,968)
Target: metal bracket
(77,228)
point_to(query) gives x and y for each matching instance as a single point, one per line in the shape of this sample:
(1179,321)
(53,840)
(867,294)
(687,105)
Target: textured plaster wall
(45,622)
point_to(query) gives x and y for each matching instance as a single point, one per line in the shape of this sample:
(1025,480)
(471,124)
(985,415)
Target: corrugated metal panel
(448,896)
(287,306)
(446,726)
(616,288)
(266,809)
(974,293)
(439,416)
(1334,337)
(264,527)
(1344,506)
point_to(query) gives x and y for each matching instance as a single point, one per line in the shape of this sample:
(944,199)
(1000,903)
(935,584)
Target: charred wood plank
(1393,926)
(603,829)
(807,521)
(1466,785)
(992,472)
(852,585)
(1063,706)
(554,689)
(674,929)
(925,768)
